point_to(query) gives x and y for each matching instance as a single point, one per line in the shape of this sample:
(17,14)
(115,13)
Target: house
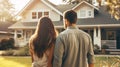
(96,21)
(4,31)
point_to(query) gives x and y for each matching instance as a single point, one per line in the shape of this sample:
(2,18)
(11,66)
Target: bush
(96,49)
(103,49)
(7,44)
(8,53)
(23,51)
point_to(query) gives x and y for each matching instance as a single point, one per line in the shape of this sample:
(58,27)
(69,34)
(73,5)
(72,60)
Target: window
(82,13)
(46,14)
(89,13)
(111,35)
(39,14)
(34,15)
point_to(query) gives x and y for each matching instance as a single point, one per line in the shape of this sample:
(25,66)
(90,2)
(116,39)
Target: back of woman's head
(44,36)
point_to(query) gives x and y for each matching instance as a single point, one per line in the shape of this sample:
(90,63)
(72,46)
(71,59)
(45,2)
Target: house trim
(51,7)
(86,3)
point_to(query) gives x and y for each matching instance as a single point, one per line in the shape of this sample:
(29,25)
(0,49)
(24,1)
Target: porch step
(113,51)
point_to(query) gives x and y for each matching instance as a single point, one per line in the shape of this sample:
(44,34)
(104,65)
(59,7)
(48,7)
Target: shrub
(96,49)
(103,49)
(8,53)
(23,51)
(7,44)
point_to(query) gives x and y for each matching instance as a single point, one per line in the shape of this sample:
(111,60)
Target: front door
(118,39)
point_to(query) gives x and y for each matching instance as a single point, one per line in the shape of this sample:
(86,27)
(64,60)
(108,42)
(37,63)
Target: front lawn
(8,61)
(101,61)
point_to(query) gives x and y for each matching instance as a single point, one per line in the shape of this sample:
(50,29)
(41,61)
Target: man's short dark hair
(71,16)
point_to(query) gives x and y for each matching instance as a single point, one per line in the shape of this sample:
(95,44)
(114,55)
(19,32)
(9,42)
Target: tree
(6,10)
(113,6)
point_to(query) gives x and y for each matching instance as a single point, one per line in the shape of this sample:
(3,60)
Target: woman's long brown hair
(44,36)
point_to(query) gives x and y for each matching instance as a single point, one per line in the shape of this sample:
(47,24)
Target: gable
(38,6)
(85,11)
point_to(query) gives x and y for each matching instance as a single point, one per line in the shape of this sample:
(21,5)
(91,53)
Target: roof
(63,7)
(86,3)
(31,25)
(4,26)
(103,18)
(100,19)
(58,8)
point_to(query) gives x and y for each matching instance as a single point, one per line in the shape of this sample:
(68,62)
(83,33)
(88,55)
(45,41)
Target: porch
(106,36)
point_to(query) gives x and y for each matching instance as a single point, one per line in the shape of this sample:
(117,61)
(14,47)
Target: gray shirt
(73,48)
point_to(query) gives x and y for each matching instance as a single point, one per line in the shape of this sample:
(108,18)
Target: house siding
(86,8)
(36,7)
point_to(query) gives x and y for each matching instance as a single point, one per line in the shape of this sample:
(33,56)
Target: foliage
(103,47)
(6,10)
(6,44)
(7,53)
(23,51)
(96,49)
(113,7)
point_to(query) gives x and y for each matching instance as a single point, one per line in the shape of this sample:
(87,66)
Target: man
(73,47)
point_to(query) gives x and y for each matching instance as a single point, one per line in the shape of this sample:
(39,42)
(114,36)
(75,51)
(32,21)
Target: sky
(19,4)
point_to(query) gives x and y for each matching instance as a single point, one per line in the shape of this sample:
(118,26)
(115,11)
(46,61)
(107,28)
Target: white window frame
(42,13)
(82,13)
(89,13)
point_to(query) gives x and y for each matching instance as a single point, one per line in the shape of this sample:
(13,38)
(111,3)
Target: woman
(41,44)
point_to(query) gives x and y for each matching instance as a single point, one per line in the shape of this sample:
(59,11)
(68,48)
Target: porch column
(15,37)
(95,37)
(25,39)
(99,36)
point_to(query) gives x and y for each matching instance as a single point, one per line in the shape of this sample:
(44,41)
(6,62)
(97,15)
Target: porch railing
(110,43)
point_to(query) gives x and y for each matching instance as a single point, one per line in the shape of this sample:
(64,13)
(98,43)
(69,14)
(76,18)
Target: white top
(40,62)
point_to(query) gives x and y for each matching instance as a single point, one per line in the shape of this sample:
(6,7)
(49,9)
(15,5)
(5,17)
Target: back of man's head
(71,16)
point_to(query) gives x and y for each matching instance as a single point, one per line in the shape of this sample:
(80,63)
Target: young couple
(71,48)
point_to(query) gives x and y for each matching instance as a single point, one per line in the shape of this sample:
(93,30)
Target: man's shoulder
(62,34)
(83,33)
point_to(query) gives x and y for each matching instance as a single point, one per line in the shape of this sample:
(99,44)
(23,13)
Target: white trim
(101,25)
(52,7)
(42,11)
(86,3)
(99,36)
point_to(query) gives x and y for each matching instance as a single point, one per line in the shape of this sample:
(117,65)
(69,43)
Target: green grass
(101,61)
(15,61)
(107,61)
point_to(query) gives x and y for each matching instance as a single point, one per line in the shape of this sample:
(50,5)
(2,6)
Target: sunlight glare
(19,4)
